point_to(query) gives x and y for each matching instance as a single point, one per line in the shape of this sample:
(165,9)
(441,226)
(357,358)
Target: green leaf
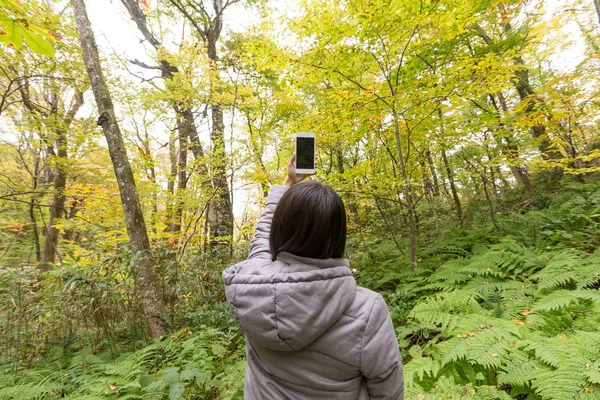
(170,375)
(12,34)
(145,380)
(38,44)
(176,391)
(189,374)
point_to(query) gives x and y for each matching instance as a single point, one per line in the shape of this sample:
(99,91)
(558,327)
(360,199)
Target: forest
(139,139)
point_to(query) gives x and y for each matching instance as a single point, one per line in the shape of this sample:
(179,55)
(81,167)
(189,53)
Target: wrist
(288,182)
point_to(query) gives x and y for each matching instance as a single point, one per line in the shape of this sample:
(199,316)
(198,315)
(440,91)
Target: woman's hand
(292,177)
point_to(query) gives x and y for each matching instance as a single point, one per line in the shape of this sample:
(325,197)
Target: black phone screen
(305,153)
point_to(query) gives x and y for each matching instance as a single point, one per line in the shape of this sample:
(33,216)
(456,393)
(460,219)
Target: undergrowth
(203,364)
(492,312)
(502,314)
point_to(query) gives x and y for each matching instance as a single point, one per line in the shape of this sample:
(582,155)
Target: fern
(446,309)
(517,369)
(564,298)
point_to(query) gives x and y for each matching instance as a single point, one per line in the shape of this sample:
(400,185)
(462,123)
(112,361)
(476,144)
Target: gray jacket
(311,332)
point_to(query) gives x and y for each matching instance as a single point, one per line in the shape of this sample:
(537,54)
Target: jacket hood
(286,304)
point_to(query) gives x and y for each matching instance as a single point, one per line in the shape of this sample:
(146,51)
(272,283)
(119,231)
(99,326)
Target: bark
(175,218)
(597,6)
(510,149)
(428,189)
(407,192)
(143,262)
(450,174)
(220,215)
(436,185)
(70,234)
(32,205)
(57,205)
(171,179)
(490,201)
(457,204)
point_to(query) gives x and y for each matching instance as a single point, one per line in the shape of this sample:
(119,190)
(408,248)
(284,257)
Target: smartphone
(306,148)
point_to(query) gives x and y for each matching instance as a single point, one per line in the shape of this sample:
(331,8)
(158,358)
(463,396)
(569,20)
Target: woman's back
(311,332)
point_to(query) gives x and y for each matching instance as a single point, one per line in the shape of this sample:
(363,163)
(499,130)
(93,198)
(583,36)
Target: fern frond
(419,367)
(517,369)
(446,309)
(563,298)
(546,354)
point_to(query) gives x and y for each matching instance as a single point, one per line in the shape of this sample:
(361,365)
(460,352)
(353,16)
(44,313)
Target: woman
(311,333)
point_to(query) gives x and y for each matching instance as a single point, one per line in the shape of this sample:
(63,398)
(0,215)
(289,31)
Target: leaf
(190,374)
(13,3)
(13,34)
(176,391)
(46,33)
(38,44)
(145,380)
(170,375)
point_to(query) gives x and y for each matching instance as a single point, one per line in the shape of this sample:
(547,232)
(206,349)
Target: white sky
(116,33)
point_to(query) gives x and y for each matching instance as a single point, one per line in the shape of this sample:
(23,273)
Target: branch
(412,35)
(481,33)
(144,65)
(177,4)
(363,88)
(137,16)
(480,106)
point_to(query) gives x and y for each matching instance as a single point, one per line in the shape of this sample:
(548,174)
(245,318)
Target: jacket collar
(290,258)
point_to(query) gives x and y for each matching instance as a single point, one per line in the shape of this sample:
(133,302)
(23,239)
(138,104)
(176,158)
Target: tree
(186,125)
(143,263)
(208,25)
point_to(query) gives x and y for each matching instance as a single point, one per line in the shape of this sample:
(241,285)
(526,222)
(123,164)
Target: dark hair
(309,221)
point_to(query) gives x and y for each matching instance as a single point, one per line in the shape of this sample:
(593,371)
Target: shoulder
(366,302)
(252,266)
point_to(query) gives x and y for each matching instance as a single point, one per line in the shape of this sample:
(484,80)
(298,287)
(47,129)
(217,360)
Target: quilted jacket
(311,332)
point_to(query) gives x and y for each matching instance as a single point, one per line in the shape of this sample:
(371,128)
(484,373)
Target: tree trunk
(533,105)
(70,234)
(59,157)
(597,5)
(258,154)
(459,212)
(220,215)
(34,228)
(510,149)
(56,212)
(186,128)
(436,186)
(428,189)
(143,262)
(490,201)
(171,180)
(351,200)
(182,177)
(407,192)
(450,174)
